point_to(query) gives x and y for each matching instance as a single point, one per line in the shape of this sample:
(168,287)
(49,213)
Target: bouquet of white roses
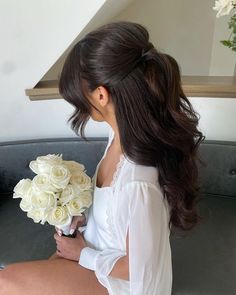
(60,190)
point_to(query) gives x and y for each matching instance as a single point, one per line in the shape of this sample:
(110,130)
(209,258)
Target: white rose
(75,207)
(21,188)
(59,216)
(82,180)
(38,215)
(43,164)
(41,182)
(25,206)
(74,167)
(86,198)
(223,7)
(43,200)
(26,202)
(59,176)
(68,193)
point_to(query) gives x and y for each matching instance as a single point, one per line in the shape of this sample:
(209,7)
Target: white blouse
(133,202)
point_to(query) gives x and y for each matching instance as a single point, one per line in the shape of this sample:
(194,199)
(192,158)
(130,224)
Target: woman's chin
(97,119)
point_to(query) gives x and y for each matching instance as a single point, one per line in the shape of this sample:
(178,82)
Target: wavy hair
(156,121)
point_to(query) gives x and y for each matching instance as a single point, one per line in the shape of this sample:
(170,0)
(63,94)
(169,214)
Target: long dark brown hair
(156,121)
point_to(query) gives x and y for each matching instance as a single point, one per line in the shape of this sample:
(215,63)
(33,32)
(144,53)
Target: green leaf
(226,42)
(232,22)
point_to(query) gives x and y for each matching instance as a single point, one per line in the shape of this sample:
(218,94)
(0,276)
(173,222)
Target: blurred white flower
(223,7)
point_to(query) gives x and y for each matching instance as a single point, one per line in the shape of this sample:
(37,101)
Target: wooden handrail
(193,86)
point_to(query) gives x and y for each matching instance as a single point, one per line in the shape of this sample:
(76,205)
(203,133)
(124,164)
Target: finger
(74,224)
(81,218)
(57,237)
(59,231)
(78,234)
(58,252)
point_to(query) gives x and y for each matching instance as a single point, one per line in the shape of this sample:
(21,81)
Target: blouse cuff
(88,257)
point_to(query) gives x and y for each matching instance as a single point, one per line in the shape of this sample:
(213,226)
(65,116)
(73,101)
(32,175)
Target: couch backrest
(217,177)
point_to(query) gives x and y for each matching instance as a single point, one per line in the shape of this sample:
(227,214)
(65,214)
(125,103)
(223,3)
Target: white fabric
(133,204)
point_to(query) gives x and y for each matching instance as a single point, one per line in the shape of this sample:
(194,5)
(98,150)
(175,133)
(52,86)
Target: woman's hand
(70,248)
(77,221)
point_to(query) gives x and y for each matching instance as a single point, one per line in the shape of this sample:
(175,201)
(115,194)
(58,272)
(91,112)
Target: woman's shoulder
(136,172)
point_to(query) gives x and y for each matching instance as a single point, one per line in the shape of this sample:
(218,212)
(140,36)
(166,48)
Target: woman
(146,181)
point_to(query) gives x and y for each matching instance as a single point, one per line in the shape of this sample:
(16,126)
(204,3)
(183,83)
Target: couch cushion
(204,262)
(21,238)
(4,197)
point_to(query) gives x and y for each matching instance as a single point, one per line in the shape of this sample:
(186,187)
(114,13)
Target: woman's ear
(103,97)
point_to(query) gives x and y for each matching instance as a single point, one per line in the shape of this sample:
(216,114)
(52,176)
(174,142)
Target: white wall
(107,13)
(182,28)
(33,35)
(217,117)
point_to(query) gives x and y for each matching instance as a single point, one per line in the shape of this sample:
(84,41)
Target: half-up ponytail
(156,121)
(179,136)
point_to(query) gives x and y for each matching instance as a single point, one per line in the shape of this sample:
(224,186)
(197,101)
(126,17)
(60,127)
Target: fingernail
(72,231)
(60,233)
